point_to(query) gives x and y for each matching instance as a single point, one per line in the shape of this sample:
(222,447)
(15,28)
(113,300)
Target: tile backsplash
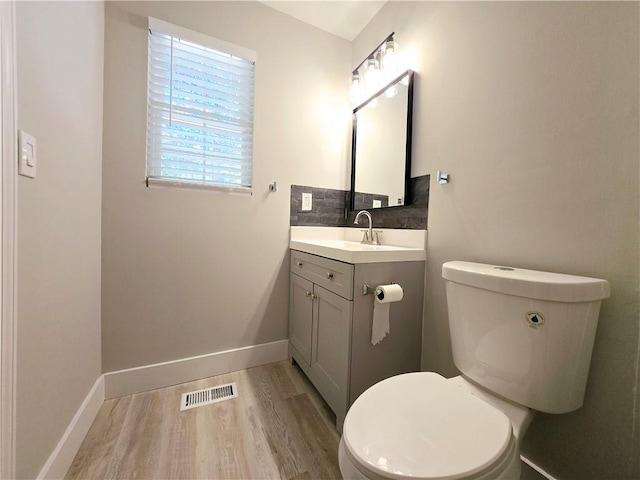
(330,208)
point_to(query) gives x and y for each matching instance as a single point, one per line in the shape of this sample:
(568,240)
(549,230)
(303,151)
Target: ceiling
(345,19)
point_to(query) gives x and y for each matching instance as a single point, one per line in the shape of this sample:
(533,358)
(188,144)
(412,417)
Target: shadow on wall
(270,309)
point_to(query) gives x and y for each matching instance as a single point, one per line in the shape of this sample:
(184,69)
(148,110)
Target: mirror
(381,147)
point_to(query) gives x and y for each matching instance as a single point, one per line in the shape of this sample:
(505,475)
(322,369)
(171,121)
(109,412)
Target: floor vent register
(207,396)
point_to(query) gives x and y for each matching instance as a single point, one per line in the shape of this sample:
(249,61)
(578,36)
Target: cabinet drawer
(337,277)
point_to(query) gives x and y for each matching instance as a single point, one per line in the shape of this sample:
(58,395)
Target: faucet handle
(365,236)
(376,237)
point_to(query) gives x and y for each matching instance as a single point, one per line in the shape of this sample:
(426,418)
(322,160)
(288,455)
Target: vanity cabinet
(330,325)
(320,322)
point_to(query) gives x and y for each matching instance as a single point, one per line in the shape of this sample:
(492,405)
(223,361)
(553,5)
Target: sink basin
(356,252)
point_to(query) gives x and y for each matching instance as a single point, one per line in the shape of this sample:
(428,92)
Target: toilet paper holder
(367,290)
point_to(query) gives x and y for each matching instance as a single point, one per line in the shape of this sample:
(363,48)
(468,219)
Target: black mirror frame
(407,200)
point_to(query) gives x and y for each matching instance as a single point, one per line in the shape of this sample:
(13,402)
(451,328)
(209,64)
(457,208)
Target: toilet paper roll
(385,294)
(389,293)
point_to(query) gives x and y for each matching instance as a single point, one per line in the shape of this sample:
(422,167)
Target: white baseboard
(150,377)
(62,456)
(538,469)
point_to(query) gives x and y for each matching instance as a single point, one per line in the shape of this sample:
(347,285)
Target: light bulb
(391,91)
(371,76)
(355,92)
(390,58)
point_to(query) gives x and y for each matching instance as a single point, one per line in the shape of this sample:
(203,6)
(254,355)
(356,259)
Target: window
(199,110)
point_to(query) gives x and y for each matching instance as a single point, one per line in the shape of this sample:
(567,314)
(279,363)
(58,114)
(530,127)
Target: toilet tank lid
(555,287)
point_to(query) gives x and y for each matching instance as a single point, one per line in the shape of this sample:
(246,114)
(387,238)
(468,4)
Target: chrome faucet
(368,234)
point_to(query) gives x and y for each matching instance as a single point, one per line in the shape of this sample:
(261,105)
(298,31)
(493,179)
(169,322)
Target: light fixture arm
(373,52)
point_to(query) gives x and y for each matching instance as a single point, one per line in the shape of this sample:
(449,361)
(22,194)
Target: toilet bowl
(522,340)
(424,426)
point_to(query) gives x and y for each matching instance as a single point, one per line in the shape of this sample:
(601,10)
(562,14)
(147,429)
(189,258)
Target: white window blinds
(199,109)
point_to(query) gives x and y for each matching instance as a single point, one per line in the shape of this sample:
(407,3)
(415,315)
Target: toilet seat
(419,426)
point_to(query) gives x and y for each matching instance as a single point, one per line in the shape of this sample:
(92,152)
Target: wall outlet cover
(306,202)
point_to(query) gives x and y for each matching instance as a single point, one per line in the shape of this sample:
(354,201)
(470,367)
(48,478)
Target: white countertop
(339,244)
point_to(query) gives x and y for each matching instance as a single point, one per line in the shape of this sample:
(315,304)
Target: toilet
(522,340)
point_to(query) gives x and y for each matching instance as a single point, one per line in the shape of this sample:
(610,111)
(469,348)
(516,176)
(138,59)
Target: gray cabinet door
(301,316)
(331,347)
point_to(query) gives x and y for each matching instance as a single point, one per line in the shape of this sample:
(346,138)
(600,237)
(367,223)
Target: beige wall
(189,272)
(533,110)
(60,59)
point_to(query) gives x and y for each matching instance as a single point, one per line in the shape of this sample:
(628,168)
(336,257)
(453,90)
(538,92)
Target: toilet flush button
(535,319)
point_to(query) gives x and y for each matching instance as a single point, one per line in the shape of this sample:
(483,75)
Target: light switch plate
(27,151)
(306,202)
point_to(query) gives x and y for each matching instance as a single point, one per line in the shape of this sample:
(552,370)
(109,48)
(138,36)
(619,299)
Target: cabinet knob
(299,264)
(308,294)
(329,275)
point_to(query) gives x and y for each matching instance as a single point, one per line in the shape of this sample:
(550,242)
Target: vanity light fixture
(375,71)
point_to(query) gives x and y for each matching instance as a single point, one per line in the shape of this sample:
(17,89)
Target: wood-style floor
(277,428)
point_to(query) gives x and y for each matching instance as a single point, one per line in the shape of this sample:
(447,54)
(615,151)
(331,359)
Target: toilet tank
(523,334)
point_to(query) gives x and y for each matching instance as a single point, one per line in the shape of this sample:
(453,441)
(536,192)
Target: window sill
(163,183)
